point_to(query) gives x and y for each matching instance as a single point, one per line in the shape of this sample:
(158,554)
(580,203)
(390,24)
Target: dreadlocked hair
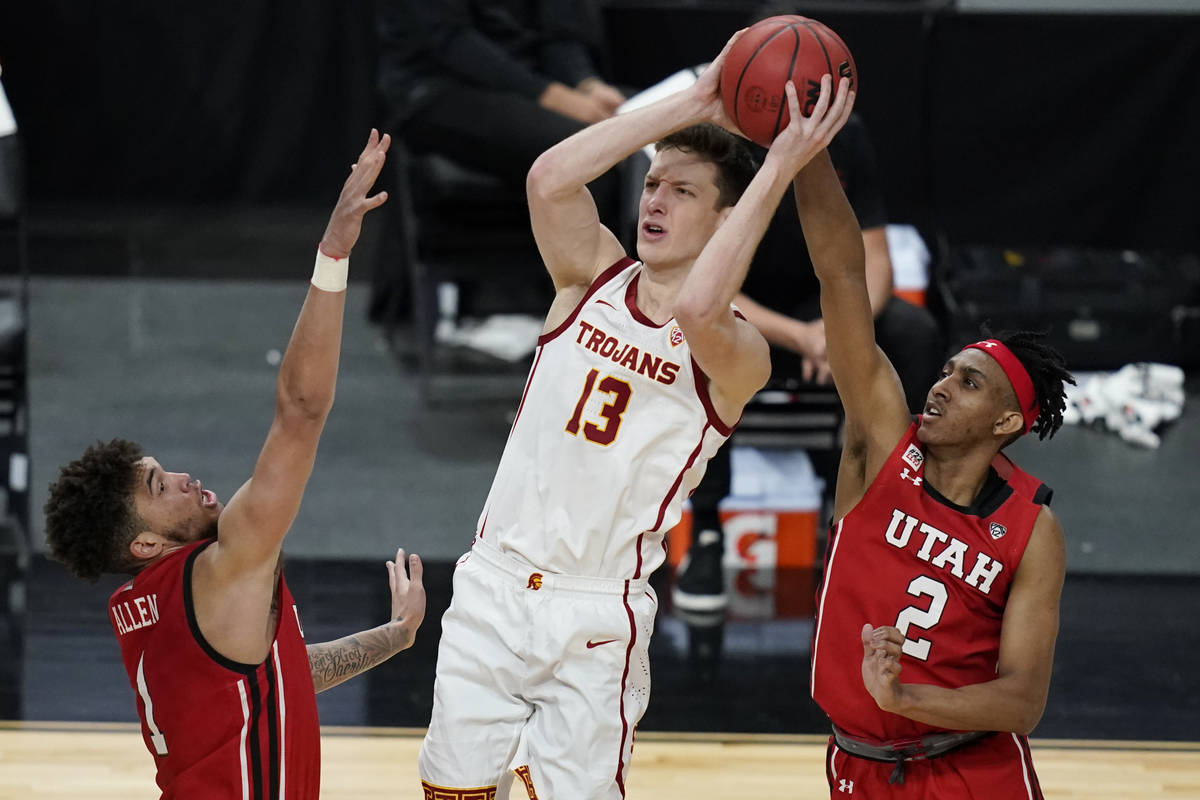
(1047,369)
(90,518)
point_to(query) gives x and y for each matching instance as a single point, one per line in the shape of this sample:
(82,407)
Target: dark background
(1037,129)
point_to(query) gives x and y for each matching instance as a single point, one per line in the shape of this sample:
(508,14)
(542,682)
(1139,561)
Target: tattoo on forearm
(334,662)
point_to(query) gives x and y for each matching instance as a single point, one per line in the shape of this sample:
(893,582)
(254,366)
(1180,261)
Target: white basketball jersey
(614,431)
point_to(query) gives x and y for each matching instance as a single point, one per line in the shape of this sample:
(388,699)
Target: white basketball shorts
(539,674)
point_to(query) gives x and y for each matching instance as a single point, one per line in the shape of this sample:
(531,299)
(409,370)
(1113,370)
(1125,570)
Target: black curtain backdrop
(138,101)
(1015,129)
(1067,130)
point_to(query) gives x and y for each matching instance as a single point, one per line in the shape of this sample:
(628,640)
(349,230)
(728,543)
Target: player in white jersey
(641,373)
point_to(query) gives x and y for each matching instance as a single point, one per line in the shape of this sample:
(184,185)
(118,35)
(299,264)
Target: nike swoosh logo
(592,644)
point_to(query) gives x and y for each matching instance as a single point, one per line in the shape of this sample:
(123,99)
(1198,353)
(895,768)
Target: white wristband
(329,274)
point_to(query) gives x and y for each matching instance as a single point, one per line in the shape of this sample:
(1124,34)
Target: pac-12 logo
(676,336)
(913,456)
(997,530)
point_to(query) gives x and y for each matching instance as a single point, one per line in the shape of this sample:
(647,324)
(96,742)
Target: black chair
(451,224)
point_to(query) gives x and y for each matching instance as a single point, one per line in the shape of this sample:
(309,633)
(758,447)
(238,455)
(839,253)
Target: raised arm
(870,391)
(730,350)
(336,661)
(252,527)
(1015,700)
(573,243)
(234,580)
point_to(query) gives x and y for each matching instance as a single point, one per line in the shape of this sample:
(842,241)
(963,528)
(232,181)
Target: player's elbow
(303,407)
(546,179)
(1029,715)
(694,312)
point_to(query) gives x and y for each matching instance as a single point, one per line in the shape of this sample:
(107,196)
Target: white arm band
(329,274)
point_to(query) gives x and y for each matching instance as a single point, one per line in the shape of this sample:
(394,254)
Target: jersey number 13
(604,430)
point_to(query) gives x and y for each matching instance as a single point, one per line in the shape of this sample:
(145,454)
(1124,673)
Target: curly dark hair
(90,518)
(730,154)
(1047,369)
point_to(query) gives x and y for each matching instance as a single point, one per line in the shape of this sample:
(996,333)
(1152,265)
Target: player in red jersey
(938,611)
(209,633)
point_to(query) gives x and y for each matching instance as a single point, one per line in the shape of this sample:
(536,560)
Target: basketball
(762,61)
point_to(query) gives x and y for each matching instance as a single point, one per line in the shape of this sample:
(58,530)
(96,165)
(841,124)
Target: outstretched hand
(408,594)
(345,223)
(804,137)
(881,664)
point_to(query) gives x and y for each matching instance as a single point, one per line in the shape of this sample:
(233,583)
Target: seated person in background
(492,84)
(781,297)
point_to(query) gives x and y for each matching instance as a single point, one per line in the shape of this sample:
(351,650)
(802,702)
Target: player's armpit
(736,359)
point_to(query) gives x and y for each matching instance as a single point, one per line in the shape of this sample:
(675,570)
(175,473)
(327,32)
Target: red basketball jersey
(906,556)
(216,728)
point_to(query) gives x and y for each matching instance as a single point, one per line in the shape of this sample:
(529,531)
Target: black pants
(496,133)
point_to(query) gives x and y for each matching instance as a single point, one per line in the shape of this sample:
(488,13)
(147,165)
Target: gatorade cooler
(770,523)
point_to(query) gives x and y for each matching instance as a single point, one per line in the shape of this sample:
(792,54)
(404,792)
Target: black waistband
(929,746)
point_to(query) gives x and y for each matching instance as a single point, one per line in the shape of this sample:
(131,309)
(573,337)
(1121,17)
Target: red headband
(1017,375)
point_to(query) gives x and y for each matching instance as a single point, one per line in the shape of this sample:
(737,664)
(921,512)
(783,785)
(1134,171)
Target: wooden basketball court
(57,761)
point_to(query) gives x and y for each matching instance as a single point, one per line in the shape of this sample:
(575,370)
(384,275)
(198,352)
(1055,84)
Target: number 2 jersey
(613,432)
(906,556)
(216,728)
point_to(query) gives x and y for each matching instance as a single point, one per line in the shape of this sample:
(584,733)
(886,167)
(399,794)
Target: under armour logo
(846,786)
(988,344)
(917,480)
(535,581)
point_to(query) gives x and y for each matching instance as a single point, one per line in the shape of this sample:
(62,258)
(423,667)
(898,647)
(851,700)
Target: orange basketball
(766,57)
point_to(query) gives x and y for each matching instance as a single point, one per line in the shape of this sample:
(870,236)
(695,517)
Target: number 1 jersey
(216,728)
(614,430)
(906,556)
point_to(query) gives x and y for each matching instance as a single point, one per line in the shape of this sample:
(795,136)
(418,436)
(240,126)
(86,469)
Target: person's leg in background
(700,582)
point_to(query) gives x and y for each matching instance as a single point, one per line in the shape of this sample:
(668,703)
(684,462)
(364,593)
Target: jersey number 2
(925,618)
(610,412)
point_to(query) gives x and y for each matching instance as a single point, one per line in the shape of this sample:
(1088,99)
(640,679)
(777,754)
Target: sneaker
(700,582)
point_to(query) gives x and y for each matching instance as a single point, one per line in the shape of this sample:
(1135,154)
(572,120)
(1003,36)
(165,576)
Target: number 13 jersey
(614,430)
(906,556)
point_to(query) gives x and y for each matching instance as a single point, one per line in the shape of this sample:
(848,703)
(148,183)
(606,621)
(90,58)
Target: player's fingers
(401,575)
(372,141)
(391,568)
(416,570)
(867,639)
(823,99)
(889,633)
(793,104)
(839,112)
